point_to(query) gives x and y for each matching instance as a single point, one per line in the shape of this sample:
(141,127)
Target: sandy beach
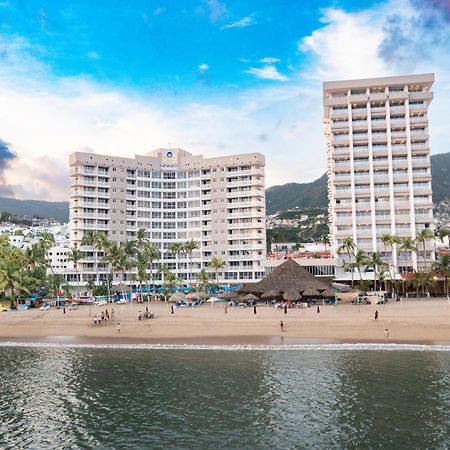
(411,321)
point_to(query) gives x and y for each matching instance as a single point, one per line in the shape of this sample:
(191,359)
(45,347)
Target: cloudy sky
(211,76)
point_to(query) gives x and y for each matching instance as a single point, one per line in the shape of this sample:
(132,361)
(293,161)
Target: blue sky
(211,76)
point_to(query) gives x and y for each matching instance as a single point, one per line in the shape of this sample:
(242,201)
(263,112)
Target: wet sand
(412,321)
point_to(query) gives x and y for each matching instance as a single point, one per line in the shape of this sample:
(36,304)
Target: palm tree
(421,281)
(152,254)
(277,237)
(178,248)
(216,264)
(376,262)
(141,266)
(90,286)
(140,239)
(442,267)
(422,236)
(12,276)
(325,239)
(391,241)
(189,248)
(443,233)
(75,255)
(408,245)
(112,256)
(203,278)
(169,279)
(47,241)
(96,240)
(360,261)
(348,248)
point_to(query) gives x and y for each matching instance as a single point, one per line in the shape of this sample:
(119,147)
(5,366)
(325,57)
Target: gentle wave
(238,347)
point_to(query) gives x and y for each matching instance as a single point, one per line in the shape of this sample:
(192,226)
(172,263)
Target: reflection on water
(65,397)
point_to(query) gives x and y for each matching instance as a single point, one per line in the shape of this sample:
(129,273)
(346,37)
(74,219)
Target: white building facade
(378,153)
(175,196)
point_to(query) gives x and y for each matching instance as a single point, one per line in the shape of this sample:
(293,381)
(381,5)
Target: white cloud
(267,73)
(242,23)
(158,11)
(269,60)
(203,68)
(93,55)
(217,9)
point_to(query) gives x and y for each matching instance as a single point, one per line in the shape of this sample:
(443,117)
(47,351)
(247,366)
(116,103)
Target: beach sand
(411,321)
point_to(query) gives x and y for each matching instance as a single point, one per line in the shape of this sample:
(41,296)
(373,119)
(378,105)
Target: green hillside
(36,208)
(309,195)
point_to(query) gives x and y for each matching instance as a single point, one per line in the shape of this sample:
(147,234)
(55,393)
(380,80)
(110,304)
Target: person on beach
(172,311)
(318,309)
(281,325)
(95,320)
(376,315)
(254,309)
(226,309)
(103,315)
(118,327)
(112,314)
(64,309)
(140,316)
(107,314)
(386,335)
(285,310)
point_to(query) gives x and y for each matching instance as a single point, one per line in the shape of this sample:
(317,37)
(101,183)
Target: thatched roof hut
(328,293)
(291,295)
(311,293)
(288,275)
(271,294)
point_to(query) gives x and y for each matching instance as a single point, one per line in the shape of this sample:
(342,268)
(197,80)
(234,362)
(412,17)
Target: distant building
(379,178)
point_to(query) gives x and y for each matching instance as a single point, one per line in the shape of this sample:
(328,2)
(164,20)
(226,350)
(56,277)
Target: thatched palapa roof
(288,275)
(248,298)
(271,294)
(229,295)
(328,293)
(291,295)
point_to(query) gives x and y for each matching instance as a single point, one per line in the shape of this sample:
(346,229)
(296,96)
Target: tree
(189,248)
(360,260)
(348,248)
(141,266)
(421,238)
(203,278)
(277,237)
(75,255)
(90,286)
(325,240)
(112,256)
(95,239)
(391,241)
(13,278)
(442,267)
(177,248)
(152,254)
(140,240)
(216,264)
(421,281)
(375,261)
(169,279)
(443,233)
(47,241)
(408,245)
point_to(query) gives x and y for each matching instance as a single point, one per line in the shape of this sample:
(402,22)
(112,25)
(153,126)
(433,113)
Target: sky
(213,77)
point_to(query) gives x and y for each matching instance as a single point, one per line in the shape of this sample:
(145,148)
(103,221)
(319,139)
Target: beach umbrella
(176,297)
(328,293)
(270,294)
(229,295)
(249,298)
(311,293)
(291,295)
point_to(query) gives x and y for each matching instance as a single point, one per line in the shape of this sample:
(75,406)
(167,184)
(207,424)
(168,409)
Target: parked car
(73,306)
(45,307)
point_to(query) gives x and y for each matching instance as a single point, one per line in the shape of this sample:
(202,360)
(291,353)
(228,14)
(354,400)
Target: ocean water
(325,397)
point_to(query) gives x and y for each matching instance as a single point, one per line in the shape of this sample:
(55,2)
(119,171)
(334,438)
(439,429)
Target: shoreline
(411,322)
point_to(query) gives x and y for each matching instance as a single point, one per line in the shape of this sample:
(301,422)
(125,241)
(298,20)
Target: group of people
(105,315)
(147,315)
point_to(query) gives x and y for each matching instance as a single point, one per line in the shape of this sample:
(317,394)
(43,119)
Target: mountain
(278,198)
(310,195)
(297,195)
(36,208)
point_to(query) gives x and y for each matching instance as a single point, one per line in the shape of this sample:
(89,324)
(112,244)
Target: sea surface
(325,397)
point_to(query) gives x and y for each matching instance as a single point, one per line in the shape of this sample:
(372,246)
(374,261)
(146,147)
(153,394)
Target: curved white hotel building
(175,196)
(379,179)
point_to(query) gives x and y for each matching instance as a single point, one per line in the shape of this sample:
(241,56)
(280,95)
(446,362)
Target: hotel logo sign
(169,159)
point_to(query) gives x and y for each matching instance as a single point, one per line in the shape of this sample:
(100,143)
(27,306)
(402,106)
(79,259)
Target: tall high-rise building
(379,178)
(175,196)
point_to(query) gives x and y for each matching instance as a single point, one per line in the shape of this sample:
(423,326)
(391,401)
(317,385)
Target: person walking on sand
(112,314)
(254,309)
(318,309)
(285,308)
(226,309)
(172,311)
(386,335)
(118,327)
(376,315)
(281,325)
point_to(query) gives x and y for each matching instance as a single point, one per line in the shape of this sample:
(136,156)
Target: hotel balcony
(339,125)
